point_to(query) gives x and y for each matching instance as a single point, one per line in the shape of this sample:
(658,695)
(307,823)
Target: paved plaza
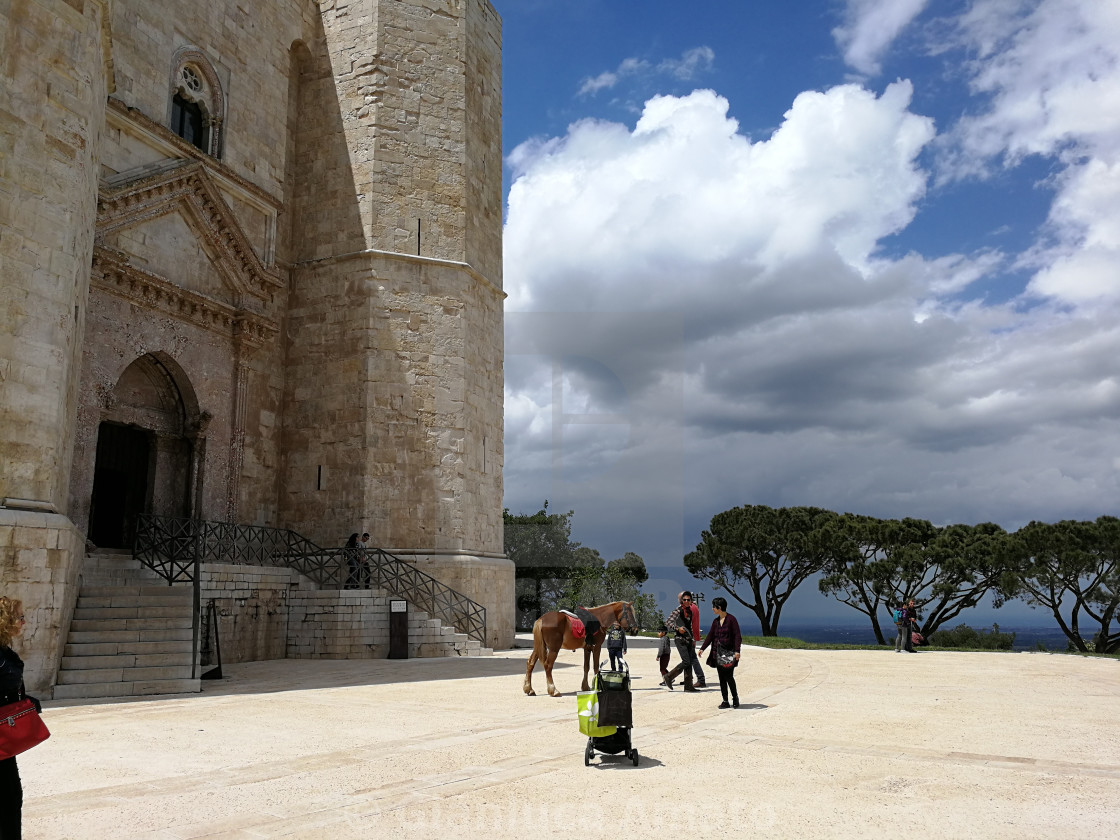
(828,744)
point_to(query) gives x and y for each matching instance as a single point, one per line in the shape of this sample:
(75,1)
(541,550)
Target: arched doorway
(146,451)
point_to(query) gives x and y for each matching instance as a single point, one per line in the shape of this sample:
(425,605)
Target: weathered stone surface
(295,322)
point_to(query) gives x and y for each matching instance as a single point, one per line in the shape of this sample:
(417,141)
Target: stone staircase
(131,634)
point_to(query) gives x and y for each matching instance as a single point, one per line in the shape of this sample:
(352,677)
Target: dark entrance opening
(120,485)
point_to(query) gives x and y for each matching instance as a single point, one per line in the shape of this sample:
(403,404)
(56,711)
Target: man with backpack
(904,619)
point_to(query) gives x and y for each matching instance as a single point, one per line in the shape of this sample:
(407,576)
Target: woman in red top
(724,633)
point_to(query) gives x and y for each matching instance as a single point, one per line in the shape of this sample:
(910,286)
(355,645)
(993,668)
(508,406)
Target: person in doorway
(11,691)
(724,637)
(679,623)
(616,646)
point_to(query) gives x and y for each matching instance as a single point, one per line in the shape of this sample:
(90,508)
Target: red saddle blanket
(578,628)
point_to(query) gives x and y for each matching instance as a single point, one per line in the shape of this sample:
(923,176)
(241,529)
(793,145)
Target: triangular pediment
(170,246)
(147,214)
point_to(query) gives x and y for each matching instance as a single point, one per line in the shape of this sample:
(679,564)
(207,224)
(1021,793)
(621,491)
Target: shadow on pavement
(278,675)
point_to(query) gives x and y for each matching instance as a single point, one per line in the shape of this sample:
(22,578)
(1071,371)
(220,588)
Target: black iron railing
(174,549)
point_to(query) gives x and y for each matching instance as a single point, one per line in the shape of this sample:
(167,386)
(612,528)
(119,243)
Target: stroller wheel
(587,753)
(634,757)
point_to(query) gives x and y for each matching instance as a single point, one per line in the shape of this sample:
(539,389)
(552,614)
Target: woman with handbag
(725,639)
(11,692)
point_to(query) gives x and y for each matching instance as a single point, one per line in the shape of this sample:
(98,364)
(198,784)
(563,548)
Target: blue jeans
(696,665)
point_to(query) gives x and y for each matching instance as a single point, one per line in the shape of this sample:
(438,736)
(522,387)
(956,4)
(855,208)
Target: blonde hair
(10,611)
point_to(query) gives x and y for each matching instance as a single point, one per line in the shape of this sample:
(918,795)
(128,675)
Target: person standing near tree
(907,617)
(679,623)
(724,636)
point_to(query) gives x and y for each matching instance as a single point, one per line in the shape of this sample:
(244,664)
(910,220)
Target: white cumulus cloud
(870,27)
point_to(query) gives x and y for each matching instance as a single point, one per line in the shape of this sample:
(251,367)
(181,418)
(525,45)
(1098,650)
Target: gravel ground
(826,744)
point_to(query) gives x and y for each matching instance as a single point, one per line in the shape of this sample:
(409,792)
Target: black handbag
(724,658)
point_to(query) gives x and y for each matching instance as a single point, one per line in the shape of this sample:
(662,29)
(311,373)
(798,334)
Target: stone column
(54,80)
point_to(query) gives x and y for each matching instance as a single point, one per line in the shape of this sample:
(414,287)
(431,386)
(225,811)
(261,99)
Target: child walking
(616,646)
(663,651)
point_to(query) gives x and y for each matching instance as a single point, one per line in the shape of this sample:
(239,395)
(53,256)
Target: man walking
(679,623)
(699,682)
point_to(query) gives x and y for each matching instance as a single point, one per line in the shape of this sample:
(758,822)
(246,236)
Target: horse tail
(540,649)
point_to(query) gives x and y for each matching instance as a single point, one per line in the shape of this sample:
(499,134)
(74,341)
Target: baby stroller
(606,716)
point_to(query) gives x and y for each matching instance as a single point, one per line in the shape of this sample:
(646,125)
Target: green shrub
(963,636)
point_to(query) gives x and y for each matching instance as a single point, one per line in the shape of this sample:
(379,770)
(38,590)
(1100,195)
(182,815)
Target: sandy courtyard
(828,744)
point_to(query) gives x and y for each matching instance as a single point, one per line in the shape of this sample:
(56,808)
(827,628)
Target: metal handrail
(174,549)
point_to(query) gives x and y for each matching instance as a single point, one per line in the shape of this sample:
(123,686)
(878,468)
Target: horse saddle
(583,622)
(578,630)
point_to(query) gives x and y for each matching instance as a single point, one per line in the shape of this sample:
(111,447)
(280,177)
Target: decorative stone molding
(186,186)
(113,273)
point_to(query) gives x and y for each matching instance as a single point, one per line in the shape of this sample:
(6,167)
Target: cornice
(478,277)
(113,273)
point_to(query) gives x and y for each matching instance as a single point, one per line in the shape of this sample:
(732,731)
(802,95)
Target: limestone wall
(52,94)
(269,613)
(489,581)
(393,422)
(54,76)
(248,49)
(39,559)
(483,171)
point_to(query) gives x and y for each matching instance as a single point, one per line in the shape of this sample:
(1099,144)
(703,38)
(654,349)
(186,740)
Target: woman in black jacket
(11,691)
(724,634)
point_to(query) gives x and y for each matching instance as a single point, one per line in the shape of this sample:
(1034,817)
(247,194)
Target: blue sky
(863,255)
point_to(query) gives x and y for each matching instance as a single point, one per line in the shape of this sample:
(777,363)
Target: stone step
(126,689)
(126,660)
(105,602)
(130,675)
(117,571)
(106,613)
(141,589)
(141,648)
(84,625)
(133,635)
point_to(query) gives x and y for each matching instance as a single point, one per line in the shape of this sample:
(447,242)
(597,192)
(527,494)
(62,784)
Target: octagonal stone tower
(252,273)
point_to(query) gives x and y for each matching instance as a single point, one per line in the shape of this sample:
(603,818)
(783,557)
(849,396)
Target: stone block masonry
(269,613)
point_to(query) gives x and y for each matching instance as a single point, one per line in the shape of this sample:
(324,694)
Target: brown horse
(551,632)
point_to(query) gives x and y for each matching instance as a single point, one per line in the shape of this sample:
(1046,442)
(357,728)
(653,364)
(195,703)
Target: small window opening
(188,121)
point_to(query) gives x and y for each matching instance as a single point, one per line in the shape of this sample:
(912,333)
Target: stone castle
(250,271)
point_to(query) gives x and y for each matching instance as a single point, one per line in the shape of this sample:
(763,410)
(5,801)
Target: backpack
(897,616)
